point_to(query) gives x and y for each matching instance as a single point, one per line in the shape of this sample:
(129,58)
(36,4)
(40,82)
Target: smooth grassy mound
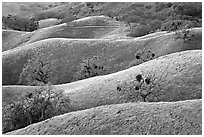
(180,77)
(95,21)
(48,22)
(175,118)
(67,54)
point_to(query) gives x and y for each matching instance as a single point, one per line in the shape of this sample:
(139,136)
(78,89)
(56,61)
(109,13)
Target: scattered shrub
(144,87)
(174,25)
(90,67)
(145,55)
(186,35)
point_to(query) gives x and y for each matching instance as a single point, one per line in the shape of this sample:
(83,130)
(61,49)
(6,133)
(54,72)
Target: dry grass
(175,118)
(95,27)
(67,54)
(182,82)
(48,22)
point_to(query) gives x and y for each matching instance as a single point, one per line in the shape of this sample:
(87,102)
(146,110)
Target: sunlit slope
(69,53)
(86,28)
(178,75)
(175,118)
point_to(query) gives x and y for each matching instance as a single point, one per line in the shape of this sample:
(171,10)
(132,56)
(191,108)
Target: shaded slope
(67,54)
(179,75)
(12,39)
(183,118)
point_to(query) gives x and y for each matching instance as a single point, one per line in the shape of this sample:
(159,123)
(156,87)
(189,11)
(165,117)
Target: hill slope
(67,54)
(178,77)
(184,117)
(93,27)
(25,9)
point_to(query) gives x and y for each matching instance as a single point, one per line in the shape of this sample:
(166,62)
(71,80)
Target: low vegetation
(90,67)
(164,118)
(36,71)
(34,107)
(20,24)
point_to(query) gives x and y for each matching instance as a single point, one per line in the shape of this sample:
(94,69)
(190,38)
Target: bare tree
(37,71)
(145,86)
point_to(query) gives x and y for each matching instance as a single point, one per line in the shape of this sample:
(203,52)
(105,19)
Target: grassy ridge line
(164,118)
(183,82)
(116,54)
(59,31)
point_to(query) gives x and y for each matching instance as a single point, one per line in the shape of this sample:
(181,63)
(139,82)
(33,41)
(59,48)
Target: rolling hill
(178,77)
(110,81)
(67,54)
(175,118)
(93,27)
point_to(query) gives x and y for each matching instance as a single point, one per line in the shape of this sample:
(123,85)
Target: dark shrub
(90,67)
(20,24)
(174,25)
(139,30)
(139,77)
(42,104)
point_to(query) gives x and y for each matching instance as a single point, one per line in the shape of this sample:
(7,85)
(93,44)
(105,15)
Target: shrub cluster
(20,24)
(174,25)
(36,106)
(143,87)
(90,67)
(186,35)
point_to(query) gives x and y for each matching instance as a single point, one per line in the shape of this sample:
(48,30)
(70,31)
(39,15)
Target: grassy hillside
(93,27)
(175,118)
(67,54)
(12,39)
(178,75)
